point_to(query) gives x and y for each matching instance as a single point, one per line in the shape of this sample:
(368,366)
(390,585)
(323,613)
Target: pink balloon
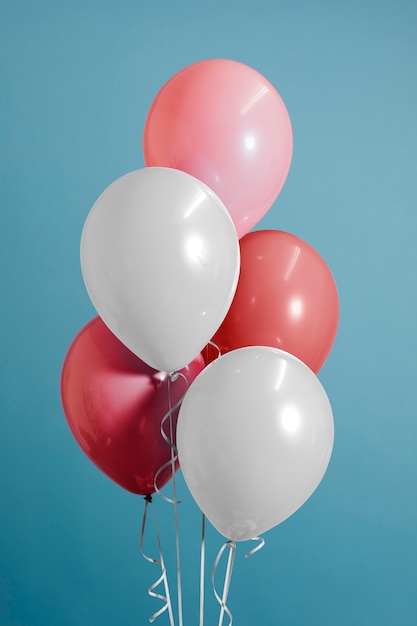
(225,124)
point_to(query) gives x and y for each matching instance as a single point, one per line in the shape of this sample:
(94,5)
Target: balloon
(114,404)
(160,260)
(254,437)
(286,298)
(225,124)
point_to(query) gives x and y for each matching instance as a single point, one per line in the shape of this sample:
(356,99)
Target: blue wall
(77,80)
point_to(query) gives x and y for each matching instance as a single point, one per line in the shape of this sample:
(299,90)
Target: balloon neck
(148,498)
(173,376)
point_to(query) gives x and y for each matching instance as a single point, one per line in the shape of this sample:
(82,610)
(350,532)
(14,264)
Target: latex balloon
(160,260)
(254,436)
(286,298)
(114,404)
(225,124)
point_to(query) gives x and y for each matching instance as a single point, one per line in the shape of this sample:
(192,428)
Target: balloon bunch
(185,292)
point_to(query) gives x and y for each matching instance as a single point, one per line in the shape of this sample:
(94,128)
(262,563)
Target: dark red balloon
(286,298)
(114,404)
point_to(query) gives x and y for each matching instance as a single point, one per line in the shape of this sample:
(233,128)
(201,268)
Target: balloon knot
(148,497)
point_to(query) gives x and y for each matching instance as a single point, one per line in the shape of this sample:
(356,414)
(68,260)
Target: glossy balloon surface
(114,404)
(226,124)
(255,435)
(160,260)
(286,298)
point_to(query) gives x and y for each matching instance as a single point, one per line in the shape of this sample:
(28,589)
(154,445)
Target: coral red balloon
(114,404)
(286,298)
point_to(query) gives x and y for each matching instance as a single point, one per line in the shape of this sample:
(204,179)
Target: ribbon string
(169,439)
(261,543)
(174,456)
(202,568)
(163,577)
(231,545)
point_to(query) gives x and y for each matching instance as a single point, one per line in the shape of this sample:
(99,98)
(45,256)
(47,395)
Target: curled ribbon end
(231,545)
(261,543)
(163,577)
(169,438)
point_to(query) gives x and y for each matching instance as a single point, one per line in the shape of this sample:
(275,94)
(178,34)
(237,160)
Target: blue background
(77,80)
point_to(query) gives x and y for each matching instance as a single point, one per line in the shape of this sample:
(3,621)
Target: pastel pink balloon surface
(224,123)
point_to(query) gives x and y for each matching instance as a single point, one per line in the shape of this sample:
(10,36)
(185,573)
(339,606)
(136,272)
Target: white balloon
(160,259)
(254,436)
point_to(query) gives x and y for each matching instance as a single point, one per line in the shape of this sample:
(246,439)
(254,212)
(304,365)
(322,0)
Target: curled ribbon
(261,543)
(172,377)
(163,577)
(231,545)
